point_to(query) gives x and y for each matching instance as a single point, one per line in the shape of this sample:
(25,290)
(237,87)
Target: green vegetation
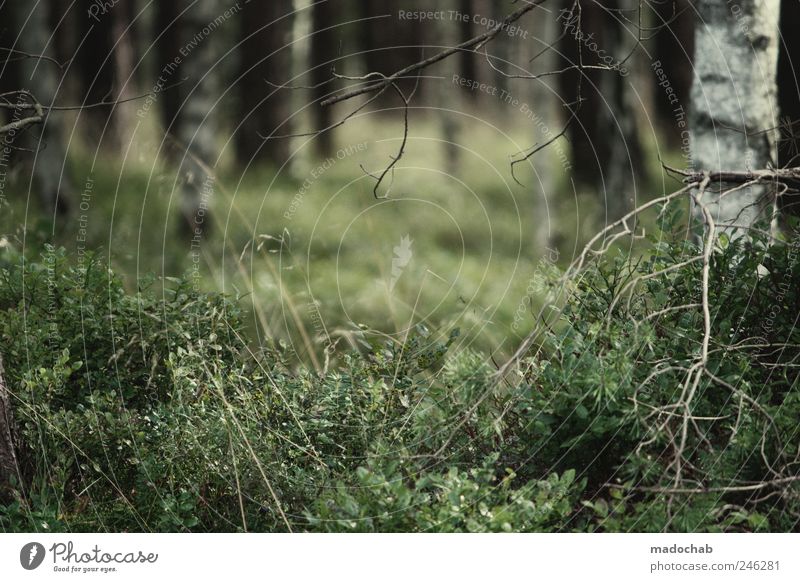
(480,242)
(153,411)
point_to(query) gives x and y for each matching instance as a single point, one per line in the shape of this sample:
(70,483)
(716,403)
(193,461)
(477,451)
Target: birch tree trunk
(733,102)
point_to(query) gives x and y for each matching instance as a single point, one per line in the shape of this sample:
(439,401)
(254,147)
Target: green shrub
(150,411)
(384,498)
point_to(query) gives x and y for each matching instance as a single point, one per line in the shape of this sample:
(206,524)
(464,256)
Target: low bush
(152,412)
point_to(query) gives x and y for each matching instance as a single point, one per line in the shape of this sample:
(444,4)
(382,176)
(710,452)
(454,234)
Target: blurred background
(187,139)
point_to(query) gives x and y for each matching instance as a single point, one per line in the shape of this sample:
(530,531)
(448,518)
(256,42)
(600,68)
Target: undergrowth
(154,412)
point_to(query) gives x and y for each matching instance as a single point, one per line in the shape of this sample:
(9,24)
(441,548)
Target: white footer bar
(402,557)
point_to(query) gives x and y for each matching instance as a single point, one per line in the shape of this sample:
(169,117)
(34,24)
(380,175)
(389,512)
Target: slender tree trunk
(104,53)
(674,48)
(95,67)
(9,466)
(789,97)
(587,158)
(446,95)
(388,44)
(624,159)
(167,40)
(467,66)
(323,51)
(549,165)
(197,126)
(733,100)
(501,47)
(606,150)
(63,21)
(124,37)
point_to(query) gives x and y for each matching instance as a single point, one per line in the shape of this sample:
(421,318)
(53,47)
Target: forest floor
(451,240)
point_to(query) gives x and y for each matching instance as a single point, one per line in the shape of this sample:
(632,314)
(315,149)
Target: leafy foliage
(146,412)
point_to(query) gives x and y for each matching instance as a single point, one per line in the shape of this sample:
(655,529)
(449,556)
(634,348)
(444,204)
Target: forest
(399,266)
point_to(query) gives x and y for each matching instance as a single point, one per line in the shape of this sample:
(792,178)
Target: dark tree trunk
(467,65)
(9,466)
(389,44)
(105,61)
(674,49)
(63,21)
(323,52)
(167,41)
(265,56)
(606,151)
(789,96)
(789,82)
(500,47)
(588,160)
(41,77)
(10,66)
(95,67)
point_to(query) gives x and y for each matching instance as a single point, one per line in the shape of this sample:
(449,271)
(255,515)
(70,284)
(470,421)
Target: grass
(311,252)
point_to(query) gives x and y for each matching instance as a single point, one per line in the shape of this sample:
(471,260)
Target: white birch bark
(734,102)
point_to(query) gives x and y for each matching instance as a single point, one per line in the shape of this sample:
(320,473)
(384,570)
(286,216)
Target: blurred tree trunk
(9,70)
(734,101)
(167,40)
(542,95)
(95,67)
(584,130)
(197,123)
(789,96)
(323,51)
(467,66)
(42,78)
(64,22)
(623,164)
(606,149)
(446,96)
(9,466)
(389,44)
(106,59)
(266,29)
(674,48)
(500,48)
(123,116)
